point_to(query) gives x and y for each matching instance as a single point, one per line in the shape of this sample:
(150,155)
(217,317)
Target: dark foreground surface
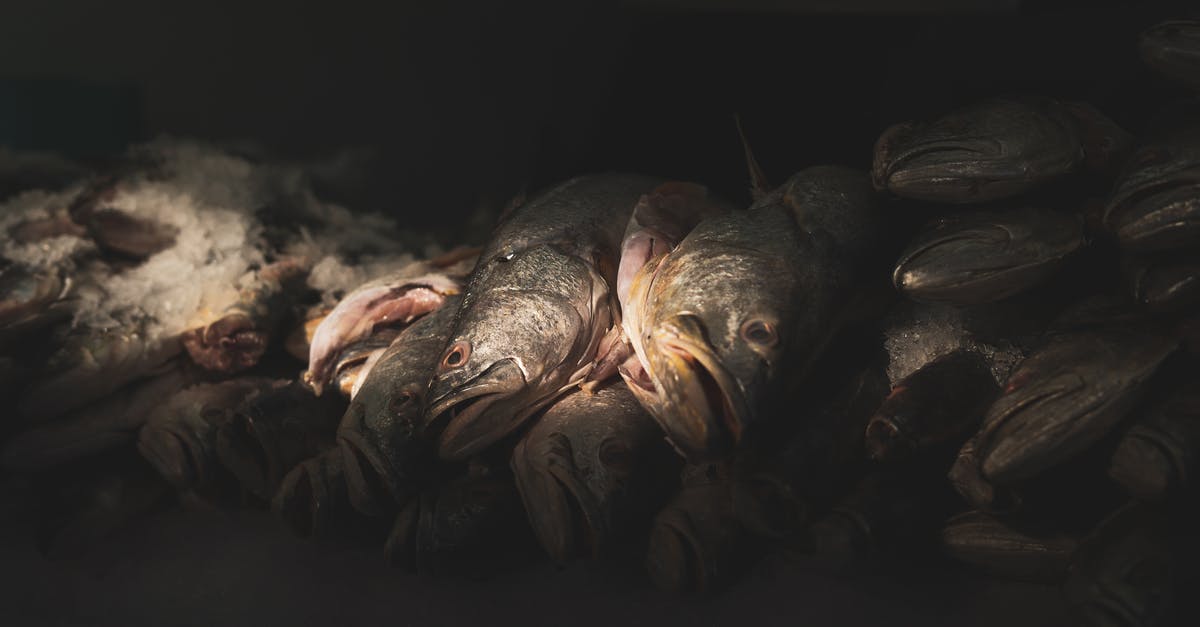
(242,568)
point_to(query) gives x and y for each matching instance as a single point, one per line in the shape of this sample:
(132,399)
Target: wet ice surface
(917,334)
(242,568)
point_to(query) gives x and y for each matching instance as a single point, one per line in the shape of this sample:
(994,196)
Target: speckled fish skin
(983,257)
(592,463)
(239,335)
(534,311)
(110,422)
(179,437)
(987,543)
(744,297)
(1125,572)
(1064,397)
(1158,457)
(384,429)
(1156,203)
(993,149)
(940,404)
(1172,49)
(396,299)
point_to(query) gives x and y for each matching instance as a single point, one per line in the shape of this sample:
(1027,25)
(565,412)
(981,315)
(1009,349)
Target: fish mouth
(1158,216)
(562,511)
(1008,459)
(706,408)
(374,484)
(173,456)
(474,414)
(246,454)
(929,167)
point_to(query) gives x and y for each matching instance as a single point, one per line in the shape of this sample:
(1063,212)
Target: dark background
(452,103)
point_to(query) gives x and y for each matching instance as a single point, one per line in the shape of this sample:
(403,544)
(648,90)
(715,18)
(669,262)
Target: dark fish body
(591,468)
(534,311)
(987,543)
(1158,457)
(238,337)
(1169,283)
(119,233)
(941,404)
(745,297)
(179,437)
(982,257)
(1064,397)
(384,430)
(1156,203)
(1172,49)
(273,432)
(473,526)
(1125,573)
(989,150)
(110,422)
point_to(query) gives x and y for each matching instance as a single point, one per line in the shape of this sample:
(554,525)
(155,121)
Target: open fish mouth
(706,411)
(473,415)
(562,510)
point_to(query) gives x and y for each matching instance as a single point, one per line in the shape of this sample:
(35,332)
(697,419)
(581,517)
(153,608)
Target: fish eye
(615,455)
(760,332)
(457,355)
(507,257)
(400,401)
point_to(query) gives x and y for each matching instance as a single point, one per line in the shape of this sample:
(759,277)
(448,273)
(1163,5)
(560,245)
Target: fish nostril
(456,355)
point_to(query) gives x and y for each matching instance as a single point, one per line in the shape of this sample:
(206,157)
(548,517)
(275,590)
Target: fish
(744,298)
(1003,550)
(394,299)
(1125,572)
(90,364)
(389,452)
(992,149)
(56,224)
(110,422)
(179,436)
(705,537)
(1066,396)
(1155,205)
(534,311)
(119,233)
(27,293)
(940,404)
(1164,283)
(273,432)
(591,469)
(1157,457)
(312,501)
(236,338)
(358,358)
(985,256)
(1172,48)
(473,526)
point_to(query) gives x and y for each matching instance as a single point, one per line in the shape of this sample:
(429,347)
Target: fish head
(528,330)
(976,153)
(1156,205)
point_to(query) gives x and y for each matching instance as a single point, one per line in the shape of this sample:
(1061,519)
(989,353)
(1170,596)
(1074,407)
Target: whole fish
(473,526)
(745,297)
(395,299)
(1156,203)
(238,336)
(590,469)
(1172,49)
(992,149)
(179,437)
(940,404)
(997,548)
(982,257)
(535,310)
(105,424)
(384,430)
(1125,573)
(1165,283)
(1158,456)
(1064,397)
(273,432)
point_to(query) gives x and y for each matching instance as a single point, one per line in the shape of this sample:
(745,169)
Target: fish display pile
(985,349)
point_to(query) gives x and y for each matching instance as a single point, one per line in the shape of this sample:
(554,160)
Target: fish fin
(758,180)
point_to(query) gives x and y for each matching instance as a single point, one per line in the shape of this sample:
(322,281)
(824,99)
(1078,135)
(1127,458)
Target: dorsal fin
(758,181)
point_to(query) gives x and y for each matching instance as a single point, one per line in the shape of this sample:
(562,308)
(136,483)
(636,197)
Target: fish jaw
(481,411)
(706,409)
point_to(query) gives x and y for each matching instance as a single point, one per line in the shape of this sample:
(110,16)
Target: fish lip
(458,410)
(917,172)
(998,460)
(1140,218)
(554,471)
(366,468)
(710,431)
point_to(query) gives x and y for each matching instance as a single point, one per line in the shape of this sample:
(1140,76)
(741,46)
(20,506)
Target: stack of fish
(633,362)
